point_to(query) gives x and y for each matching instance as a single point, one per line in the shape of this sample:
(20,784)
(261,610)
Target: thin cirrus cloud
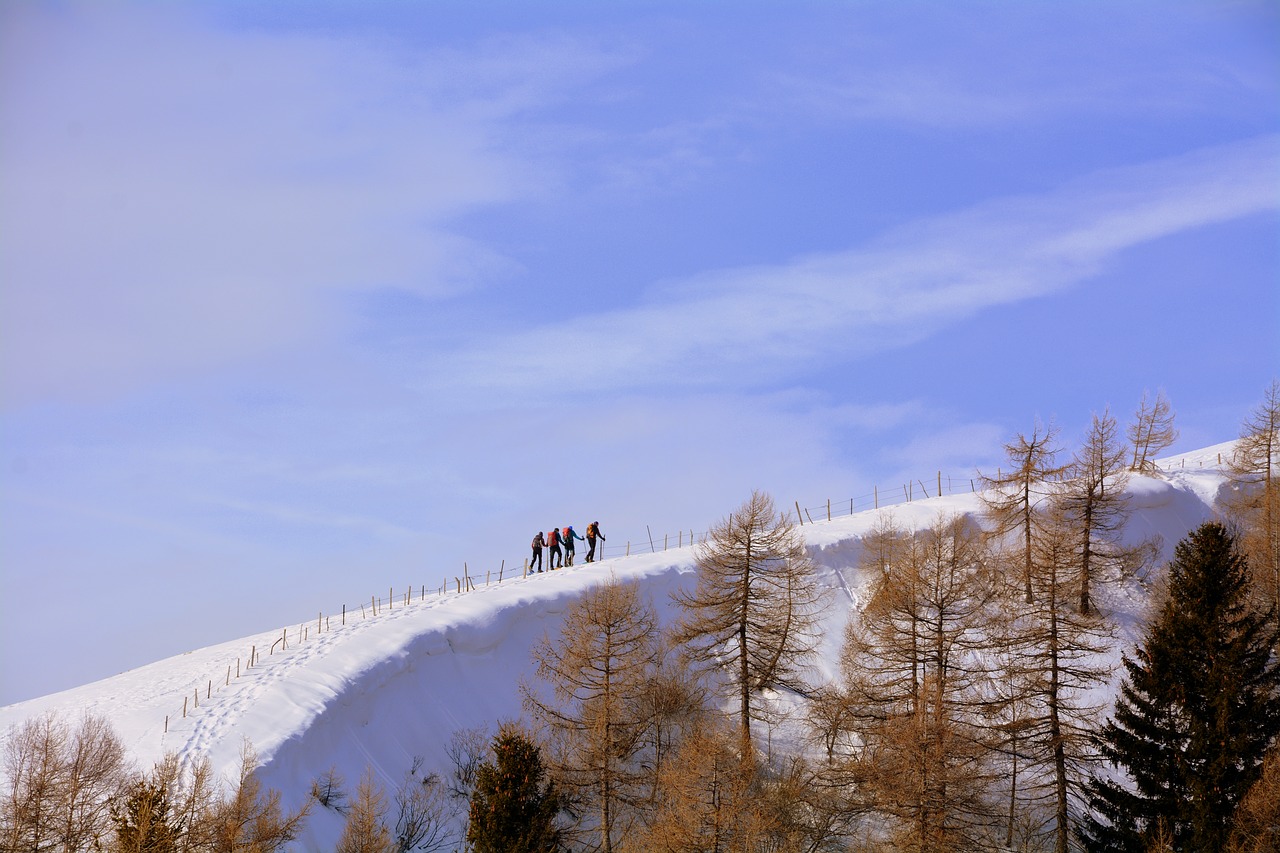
(154,224)
(746,325)
(1145,61)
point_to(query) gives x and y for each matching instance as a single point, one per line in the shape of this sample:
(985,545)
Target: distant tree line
(970,711)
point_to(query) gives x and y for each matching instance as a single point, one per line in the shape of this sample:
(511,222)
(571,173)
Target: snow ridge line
(253,679)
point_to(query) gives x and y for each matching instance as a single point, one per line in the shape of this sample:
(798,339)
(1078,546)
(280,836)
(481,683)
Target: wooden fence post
(939,484)
(828,509)
(799,515)
(875,490)
(184,707)
(652,549)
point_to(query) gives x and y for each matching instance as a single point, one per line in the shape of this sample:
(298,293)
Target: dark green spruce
(1198,708)
(514,807)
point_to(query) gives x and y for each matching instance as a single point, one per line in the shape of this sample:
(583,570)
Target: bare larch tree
(1093,499)
(599,670)
(1013,499)
(1255,470)
(1152,431)
(754,608)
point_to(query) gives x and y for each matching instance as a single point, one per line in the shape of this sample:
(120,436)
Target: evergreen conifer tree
(1197,712)
(143,823)
(514,807)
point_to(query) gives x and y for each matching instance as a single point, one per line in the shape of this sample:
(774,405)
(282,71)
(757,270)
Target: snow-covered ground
(382,689)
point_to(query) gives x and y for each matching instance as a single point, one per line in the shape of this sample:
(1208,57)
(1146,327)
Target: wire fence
(291,637)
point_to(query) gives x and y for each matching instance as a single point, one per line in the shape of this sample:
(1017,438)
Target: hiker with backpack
(536,559)
(553,543)
(593,532)
(568,535)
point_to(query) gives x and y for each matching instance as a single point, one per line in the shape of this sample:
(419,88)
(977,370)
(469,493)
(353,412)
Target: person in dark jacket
(568,535)
(593,533)
(536,559)
(553,543)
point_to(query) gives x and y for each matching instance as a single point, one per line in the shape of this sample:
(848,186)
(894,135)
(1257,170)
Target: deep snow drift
(382,689)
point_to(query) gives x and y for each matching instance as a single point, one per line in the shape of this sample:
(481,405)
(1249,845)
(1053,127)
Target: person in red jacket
(553,543)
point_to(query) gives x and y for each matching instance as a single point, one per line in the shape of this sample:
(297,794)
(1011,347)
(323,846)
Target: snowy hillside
(382,689)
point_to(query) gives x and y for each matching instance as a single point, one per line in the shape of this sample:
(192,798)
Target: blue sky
(300,301)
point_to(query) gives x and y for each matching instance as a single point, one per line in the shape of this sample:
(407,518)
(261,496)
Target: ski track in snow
(221,717)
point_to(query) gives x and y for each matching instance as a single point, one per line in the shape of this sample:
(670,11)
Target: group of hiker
(560,542)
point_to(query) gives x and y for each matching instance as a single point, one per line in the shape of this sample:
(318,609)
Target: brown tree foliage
(1013,498)
(599,670)
(1152,431)
(250,819)
(753,613)
(1051,672)
(183,800)
(919,692)
(366,829)
(672,703)
(707,800)
(1257,820)
(1255,502)
(59,783)
(1093,501)
(142,821)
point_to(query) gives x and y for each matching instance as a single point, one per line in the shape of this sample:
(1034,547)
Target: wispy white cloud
(178,197)
(1129,60)
(739,327)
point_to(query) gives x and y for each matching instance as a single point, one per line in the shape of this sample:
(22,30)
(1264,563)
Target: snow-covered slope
(380,690)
